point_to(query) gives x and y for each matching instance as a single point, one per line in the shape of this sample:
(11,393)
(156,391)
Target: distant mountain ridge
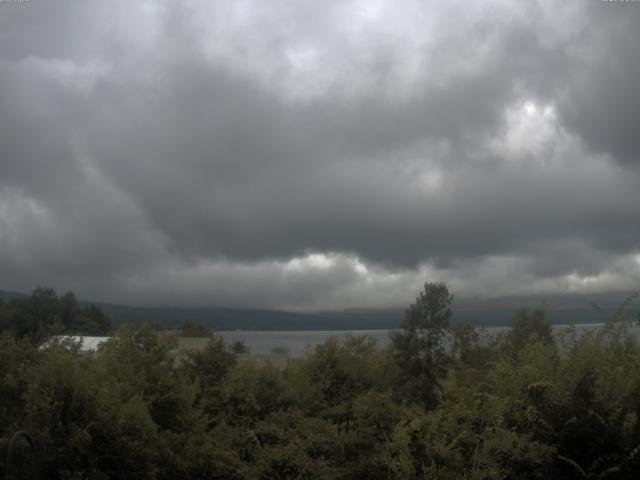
(561,308)
(11,295)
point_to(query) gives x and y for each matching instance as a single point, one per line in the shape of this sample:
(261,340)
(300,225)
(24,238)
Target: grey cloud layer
(155,152)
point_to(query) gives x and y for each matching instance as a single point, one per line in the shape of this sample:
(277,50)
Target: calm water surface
(296,343)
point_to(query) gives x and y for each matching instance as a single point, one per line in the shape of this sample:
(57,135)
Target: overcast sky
(317,155)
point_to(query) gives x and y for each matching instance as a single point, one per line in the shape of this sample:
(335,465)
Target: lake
(297,342)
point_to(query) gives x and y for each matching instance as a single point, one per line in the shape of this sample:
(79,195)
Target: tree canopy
(525,404)
(44,313)
(419,346)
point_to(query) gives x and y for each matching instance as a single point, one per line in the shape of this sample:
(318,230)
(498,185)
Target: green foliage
(529,326)
(470,346)
(294,445)
(85,424)
(419,346)
(523,405)
(239,347)
(210,365)
(193,329)
(44,313)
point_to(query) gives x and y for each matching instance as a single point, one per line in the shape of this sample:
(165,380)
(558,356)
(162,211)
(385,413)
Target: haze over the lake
(317,155)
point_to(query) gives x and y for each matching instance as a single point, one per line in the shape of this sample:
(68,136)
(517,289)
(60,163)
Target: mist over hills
(7,296)
(561,308)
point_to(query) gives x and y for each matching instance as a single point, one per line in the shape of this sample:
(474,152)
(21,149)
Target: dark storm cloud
(603,105)
(306,155)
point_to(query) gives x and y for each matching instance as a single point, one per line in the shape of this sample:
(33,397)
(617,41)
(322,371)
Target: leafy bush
(523,405)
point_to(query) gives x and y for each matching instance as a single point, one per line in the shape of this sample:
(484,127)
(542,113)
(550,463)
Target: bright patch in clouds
(529,132)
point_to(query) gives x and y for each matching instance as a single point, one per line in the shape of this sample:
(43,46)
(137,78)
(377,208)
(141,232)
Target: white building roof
(87,344)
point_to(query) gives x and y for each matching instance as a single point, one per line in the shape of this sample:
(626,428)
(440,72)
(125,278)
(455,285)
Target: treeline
(45,313)
(439,402)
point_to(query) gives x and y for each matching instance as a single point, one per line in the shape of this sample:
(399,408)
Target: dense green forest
(440,402)
(45,313)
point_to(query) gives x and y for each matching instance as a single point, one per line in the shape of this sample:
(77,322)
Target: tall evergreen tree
(419,346)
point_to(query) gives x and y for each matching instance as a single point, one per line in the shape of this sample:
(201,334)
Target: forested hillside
(559,309)
(44,313)
(520,405)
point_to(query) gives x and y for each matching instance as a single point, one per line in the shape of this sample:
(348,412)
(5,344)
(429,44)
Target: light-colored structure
(85,345)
